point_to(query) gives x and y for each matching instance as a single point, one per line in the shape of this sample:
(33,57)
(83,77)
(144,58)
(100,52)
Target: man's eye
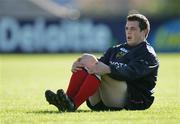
(133,28)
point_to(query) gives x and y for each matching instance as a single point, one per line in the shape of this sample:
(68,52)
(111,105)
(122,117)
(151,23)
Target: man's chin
(130,43)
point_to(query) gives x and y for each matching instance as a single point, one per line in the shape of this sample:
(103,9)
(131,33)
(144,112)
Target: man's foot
(53,99)
(69,105)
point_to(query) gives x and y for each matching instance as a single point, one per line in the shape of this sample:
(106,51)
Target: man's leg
(95,98)
(61,100)
(76,81)
(79,92)
(88,88)
(113,93)
(94,102)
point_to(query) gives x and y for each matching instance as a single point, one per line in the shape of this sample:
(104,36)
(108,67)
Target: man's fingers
(76,69)
(77,65)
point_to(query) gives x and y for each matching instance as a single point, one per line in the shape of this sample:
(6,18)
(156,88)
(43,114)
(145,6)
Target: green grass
(24,78)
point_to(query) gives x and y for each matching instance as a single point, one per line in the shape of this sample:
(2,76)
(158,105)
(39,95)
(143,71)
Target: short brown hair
(143,21)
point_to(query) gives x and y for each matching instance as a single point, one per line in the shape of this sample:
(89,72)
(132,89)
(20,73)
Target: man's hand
(77,65)
(100,69)
(88,60)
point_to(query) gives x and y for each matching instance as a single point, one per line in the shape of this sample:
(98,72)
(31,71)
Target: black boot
(53,99)
(69,105)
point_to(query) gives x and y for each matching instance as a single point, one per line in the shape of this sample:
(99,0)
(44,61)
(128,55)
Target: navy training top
(138,66)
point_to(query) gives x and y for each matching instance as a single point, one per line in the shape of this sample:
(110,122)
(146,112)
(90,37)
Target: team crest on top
(121,53)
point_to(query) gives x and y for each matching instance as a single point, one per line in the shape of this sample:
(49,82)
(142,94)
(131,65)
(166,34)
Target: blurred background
(61,26)
(73,27)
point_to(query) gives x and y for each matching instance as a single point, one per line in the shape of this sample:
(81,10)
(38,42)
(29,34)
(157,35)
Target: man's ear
(146,32)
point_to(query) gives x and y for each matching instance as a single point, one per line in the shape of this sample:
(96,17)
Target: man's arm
(134,70)
(100,69)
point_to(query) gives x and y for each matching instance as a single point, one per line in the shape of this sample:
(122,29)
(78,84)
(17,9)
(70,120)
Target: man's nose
(128,31)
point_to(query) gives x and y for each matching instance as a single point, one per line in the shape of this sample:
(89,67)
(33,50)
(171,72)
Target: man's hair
(143,21)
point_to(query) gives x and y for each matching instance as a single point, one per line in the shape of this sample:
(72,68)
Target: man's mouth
(129,37)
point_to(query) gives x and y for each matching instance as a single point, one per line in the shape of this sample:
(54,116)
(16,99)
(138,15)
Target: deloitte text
(62,36)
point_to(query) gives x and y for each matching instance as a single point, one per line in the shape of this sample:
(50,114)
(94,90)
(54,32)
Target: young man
(123,78)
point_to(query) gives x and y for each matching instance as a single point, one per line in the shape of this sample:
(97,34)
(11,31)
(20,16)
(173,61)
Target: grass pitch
(24,78)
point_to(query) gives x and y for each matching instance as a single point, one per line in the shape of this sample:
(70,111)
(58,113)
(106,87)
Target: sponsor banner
(52,36)
(40,35)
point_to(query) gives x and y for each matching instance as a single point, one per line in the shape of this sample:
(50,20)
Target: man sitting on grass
(123,78)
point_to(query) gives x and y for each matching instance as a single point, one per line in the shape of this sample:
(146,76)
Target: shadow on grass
(55,112)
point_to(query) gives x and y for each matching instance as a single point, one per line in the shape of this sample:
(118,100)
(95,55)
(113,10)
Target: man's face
(134,35)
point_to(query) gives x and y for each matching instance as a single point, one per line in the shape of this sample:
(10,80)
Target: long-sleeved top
(138,66)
